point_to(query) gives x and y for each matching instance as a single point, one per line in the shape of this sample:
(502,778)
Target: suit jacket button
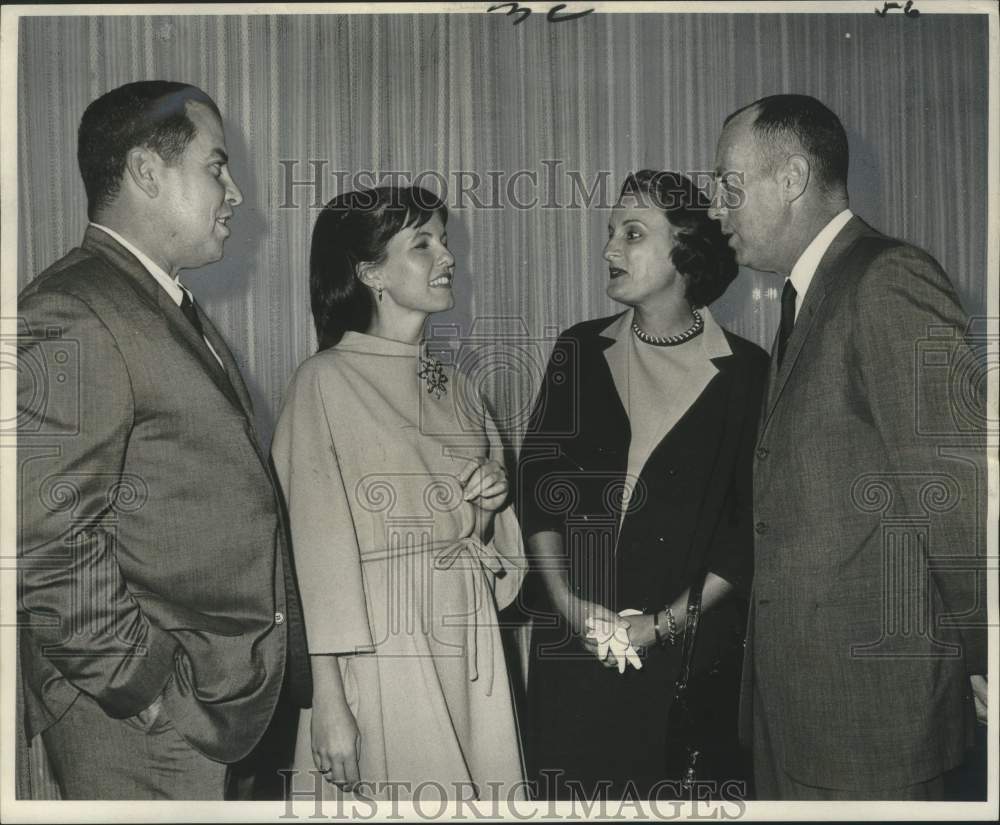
(279,618)
(671,472)
(760,527)
(762,453)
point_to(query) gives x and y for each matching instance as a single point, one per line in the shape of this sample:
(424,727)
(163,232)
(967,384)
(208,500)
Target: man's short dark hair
(150,113)
(789,123)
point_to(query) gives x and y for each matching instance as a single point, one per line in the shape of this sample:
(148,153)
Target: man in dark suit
(158,615)
(864,649)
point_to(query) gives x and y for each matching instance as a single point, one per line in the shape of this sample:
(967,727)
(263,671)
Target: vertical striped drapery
(526,124)
(536,111)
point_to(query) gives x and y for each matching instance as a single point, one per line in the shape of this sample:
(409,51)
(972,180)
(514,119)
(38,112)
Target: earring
(380,295)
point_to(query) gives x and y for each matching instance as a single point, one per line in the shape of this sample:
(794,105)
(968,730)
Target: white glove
(613,637)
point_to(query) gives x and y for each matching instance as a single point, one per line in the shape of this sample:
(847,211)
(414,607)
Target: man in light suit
(158,614)
(863,649)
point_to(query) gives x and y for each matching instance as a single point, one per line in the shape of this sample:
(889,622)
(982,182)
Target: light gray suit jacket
(869,480)
(151,537)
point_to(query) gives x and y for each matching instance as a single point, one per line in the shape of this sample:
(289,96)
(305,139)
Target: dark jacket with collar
(693,502)
(692,510)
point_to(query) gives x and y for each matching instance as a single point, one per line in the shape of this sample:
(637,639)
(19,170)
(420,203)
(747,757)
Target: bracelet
(671,626)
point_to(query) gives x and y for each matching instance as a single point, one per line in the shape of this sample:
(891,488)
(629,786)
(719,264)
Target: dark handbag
(702,736)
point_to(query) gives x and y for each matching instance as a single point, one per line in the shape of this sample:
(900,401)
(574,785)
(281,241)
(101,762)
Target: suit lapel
(613,346)
(608,421)
(825,279)
(703,407)
(195,344)
(150,291)
(718,350)
(711,413)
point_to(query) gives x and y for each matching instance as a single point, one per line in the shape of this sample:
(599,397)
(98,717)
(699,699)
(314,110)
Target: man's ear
(142,166)
(794,177)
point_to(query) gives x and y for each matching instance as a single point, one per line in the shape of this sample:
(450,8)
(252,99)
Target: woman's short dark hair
(150,113)
(701,253)
(355,228)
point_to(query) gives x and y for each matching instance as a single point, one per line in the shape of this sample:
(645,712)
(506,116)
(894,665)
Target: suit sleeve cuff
(142,677)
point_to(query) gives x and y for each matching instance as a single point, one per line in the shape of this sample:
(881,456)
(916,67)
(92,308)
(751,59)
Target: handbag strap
(690,630)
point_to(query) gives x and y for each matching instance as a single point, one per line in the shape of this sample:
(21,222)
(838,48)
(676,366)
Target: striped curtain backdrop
(522,122)
(524,119)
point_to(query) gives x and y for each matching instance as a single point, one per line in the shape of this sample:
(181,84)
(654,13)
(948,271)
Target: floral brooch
(432,371)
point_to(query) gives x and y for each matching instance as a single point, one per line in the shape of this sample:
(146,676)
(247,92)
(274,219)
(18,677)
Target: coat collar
(615,339)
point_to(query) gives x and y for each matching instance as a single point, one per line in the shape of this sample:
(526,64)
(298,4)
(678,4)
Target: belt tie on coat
(478,561)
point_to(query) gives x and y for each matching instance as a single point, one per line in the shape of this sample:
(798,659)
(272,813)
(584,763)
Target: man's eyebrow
(218,154)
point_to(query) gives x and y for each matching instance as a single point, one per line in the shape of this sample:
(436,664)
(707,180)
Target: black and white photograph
(499,410)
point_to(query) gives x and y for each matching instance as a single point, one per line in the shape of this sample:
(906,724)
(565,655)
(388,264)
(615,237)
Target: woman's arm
(714,591)
(642,632)
(546,548)
(334,730)
(324,545)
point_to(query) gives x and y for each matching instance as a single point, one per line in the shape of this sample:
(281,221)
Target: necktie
(788,296)
(191,313)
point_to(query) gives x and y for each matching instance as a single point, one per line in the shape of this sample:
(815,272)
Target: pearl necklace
(671,340)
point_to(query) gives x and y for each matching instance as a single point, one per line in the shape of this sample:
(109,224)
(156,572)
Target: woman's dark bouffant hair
(355,228)
(701,253)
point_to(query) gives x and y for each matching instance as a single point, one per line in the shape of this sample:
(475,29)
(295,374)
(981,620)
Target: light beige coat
(392,581)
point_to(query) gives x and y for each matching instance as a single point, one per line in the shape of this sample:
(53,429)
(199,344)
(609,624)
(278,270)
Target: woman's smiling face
(418,269)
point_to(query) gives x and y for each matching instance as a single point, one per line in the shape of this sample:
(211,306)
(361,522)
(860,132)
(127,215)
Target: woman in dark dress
(636,480)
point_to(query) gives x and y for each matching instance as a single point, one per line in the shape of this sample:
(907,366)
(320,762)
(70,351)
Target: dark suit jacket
(862,676)
(152,541)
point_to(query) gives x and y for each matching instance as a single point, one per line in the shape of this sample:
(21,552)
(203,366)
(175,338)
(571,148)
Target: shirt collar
(175,289)
(805,267)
